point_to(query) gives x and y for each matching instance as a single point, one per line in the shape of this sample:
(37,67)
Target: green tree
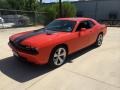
(4,4)
(53,11)
(31,4)
(68,9)
(18,5)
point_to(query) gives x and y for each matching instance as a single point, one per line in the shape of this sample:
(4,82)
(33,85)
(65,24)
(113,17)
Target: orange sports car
(53,43)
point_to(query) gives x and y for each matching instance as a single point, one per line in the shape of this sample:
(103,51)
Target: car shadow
(79,53)
(24,71)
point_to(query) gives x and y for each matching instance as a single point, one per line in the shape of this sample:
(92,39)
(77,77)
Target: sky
(48,1)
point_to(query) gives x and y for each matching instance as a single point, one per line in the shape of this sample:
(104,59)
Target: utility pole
(60,8)
(96,9)
(40,1)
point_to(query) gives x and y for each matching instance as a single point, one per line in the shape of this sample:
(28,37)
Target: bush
(68,10)
(52,12)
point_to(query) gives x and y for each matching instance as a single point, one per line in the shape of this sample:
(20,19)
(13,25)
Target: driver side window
(85,24)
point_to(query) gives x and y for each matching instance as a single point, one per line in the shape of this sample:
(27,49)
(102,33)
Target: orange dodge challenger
(53,43)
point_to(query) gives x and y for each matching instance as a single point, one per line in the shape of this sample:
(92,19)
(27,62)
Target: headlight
(30,49)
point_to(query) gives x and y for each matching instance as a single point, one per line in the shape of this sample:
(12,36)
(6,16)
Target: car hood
(37,37)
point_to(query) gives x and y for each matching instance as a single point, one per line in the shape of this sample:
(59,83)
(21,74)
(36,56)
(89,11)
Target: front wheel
(58,57)
(99,40)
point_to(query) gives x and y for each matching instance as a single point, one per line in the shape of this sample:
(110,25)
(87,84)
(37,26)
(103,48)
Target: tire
(99,40)
(58,56)
(16,56)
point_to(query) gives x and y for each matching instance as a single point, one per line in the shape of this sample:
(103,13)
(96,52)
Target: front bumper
(30,58)
(36,59)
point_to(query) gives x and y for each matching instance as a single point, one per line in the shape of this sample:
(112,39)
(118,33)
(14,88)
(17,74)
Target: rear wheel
(99,40)
(58,56)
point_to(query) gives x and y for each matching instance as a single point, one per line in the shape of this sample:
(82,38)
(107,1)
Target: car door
(85,31)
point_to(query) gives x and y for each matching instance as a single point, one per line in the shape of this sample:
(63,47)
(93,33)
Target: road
(89,69)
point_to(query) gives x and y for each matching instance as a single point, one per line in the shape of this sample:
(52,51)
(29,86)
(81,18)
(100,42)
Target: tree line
(20,4)
(52,11)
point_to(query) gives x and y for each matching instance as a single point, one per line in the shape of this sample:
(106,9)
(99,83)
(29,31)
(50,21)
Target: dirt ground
(89,69)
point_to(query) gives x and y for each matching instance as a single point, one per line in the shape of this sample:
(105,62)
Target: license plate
(16,54)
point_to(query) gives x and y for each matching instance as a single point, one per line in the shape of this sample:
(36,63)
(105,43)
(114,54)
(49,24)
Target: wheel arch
(98,35)
(54,48)
(101,33)
(63,45)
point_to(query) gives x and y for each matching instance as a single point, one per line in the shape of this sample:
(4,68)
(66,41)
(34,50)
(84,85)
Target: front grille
(23,48)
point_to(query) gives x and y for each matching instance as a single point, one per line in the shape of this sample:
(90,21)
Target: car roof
(74,19)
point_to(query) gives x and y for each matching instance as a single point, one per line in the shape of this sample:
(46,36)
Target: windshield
(61,25)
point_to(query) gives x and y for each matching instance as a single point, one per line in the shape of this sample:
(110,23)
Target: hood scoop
(49,33)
